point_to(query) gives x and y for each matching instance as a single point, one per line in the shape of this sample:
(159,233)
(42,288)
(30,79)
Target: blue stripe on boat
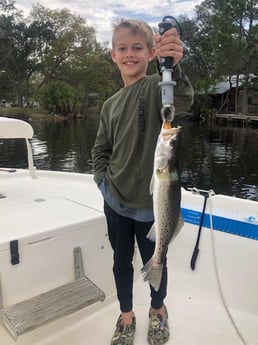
(247,228)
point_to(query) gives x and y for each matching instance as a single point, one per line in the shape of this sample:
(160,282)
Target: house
(228,95)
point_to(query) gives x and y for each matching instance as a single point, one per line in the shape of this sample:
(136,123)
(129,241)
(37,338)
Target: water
(212,157)
(221,158)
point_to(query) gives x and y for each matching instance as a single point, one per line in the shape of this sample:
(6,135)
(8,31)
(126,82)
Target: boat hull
(51,215)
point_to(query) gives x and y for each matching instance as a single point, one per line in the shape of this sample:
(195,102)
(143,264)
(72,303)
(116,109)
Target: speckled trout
(166,190)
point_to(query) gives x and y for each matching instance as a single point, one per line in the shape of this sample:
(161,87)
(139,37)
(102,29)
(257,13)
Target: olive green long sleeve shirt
(130,123)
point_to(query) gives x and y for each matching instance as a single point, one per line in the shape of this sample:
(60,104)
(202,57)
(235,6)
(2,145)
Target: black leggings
(122,232)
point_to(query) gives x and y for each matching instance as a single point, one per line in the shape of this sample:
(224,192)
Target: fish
(166,190)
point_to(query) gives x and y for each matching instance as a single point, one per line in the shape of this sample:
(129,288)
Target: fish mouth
(167,124)
(167,130)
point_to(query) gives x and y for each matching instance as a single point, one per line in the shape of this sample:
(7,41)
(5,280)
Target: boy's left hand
(169,44)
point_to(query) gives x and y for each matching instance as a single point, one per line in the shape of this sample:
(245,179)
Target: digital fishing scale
(166,68)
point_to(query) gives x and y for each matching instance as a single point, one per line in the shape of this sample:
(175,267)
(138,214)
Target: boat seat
(29,314)
(14,129)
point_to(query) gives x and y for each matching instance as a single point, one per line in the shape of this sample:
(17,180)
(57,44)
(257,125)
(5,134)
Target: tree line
(222,42)
(53,56)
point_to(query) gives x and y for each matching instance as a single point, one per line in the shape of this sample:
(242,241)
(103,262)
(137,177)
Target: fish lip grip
(166,67)
(168,22)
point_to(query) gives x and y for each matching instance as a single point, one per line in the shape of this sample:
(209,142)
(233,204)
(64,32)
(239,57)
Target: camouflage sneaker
(158,332)
(124,334)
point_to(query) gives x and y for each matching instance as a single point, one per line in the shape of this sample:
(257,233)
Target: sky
(100,14)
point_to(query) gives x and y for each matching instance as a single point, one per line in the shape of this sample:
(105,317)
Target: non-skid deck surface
(192,322)
(51,305)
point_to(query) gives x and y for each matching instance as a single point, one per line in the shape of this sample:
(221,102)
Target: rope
(214,255)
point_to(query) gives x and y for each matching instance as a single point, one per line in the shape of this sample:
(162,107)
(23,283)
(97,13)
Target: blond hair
(135,27)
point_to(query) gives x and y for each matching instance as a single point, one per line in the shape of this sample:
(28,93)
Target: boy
(123,156)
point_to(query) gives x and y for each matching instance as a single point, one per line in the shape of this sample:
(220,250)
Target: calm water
(213,157)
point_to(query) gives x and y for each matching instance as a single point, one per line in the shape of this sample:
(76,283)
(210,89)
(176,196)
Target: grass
(23,113)
(26,113)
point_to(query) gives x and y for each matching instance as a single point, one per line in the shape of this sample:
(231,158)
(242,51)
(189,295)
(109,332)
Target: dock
(244,120)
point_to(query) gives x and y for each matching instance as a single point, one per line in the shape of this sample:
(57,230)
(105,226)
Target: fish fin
(151,235)
(152,273)
(152,184)
(180,224)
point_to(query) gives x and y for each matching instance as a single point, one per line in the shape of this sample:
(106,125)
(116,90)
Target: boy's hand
(169,44)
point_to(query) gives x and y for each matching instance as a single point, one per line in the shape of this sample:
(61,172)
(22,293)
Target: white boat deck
(196,322)
(193,320)
(196,313)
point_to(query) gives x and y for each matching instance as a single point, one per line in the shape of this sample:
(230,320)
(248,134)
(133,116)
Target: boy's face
(131,54)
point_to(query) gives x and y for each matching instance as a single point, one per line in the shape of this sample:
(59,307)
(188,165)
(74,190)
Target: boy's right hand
(169,44)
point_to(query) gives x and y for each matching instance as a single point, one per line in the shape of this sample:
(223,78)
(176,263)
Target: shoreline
(26,113)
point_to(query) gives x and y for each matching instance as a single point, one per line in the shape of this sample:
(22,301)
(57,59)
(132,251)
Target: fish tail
(153,273)
(151,235)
